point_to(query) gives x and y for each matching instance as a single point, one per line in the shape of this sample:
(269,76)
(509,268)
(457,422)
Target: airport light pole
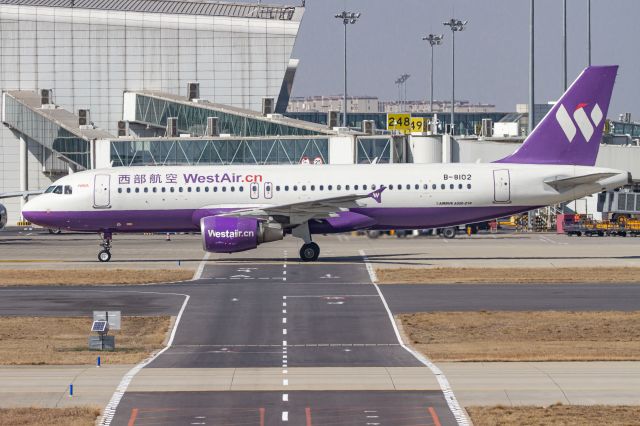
(531,67)
(347,18)
(402,86)
(589,32)
(564,45)
(455,25)
(434,40)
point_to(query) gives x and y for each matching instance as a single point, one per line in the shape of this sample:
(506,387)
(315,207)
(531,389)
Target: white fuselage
(415,196)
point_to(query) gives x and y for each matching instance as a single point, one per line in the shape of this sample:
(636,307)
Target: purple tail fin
(571,132)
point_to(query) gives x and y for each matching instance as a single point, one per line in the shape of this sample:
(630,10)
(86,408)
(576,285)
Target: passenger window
(163,189)
(119,190)
(313,187)
(408,186)
(425,186)
(172,189)
(399,187)
(330,187)
(391,187)
(433,186)
(321,187)
(67,189)
(137,190)
(128,190)
(373,187)
(346,187)
(295,187)
(460,186)
(215,189)
(277,188)
(188,189)
(197,189)
(468,186)
(146,189)
(417,186)
(339,187)
(233,189)
(364,187)
(443,186)
(304,187)
(155,189)
(224,189)
(206,189)
(451,186)
(241,188)
(286,187)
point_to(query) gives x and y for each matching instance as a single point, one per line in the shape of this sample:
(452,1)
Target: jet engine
(3,216)
(234,234)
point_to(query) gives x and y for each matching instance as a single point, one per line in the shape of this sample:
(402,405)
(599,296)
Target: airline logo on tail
(580,121)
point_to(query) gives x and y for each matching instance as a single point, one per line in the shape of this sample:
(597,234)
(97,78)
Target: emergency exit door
(501,186)
(101,192)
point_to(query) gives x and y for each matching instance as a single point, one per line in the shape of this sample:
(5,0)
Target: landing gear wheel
(104,256)
(449,233)
(310,252)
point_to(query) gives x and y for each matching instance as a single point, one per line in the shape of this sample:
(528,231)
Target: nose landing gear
(105,254)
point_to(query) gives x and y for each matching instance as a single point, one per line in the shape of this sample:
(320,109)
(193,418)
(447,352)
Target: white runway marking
(285,397)
(449,396)
(285,416)
(200,270)
(110,409)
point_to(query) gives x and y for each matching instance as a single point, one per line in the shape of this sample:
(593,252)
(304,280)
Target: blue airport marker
(71,390)
(98,362)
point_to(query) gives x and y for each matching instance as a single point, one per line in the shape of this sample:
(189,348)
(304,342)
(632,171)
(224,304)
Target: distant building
(359,104)
(438,107)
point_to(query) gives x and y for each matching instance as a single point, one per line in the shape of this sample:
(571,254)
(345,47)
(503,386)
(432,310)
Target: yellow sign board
(399,122)
(419,124)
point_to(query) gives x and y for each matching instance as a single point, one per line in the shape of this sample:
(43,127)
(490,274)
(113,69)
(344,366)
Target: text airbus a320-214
(237,208)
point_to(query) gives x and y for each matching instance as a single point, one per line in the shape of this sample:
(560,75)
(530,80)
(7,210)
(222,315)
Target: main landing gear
(105,254)
(310,251)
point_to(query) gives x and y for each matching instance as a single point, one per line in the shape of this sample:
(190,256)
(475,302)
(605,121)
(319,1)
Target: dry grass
(556,415)
(23,340)
(525,336)
(507,275)
(73,416)
(10,277)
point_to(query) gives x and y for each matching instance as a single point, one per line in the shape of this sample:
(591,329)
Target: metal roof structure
(61,117)
(173,7)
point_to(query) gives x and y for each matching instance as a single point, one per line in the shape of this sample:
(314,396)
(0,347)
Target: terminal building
(93,84)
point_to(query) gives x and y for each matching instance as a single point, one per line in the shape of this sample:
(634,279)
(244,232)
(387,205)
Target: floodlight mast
(455,25)
(347,18)
(434,40)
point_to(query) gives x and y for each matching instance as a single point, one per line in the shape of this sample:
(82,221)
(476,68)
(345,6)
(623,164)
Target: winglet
(377,194)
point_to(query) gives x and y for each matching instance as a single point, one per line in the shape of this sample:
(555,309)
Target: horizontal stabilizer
(563,184)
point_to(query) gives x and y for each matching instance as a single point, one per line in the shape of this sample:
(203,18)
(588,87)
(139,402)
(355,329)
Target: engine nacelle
(233,234)
(3,216)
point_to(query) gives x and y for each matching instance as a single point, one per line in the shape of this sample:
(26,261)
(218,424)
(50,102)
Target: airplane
(239,207)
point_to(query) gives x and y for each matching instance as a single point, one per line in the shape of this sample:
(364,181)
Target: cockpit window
(50,189)
(67,189)
(57,190)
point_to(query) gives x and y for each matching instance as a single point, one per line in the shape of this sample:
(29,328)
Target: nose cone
(33,212)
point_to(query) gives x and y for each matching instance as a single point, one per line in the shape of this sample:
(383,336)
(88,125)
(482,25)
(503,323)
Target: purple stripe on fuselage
(188,220)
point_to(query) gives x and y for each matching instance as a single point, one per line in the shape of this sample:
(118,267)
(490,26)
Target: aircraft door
(254,191)
(102,192)
(268,190)
(501,186)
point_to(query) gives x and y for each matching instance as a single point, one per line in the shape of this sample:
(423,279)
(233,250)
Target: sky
(492,59)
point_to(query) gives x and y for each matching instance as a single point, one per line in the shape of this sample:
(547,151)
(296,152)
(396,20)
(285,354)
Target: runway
(270,338)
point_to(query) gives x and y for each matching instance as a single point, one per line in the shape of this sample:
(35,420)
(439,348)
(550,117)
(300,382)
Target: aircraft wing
(18,194)
(306,210)
(563,184)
